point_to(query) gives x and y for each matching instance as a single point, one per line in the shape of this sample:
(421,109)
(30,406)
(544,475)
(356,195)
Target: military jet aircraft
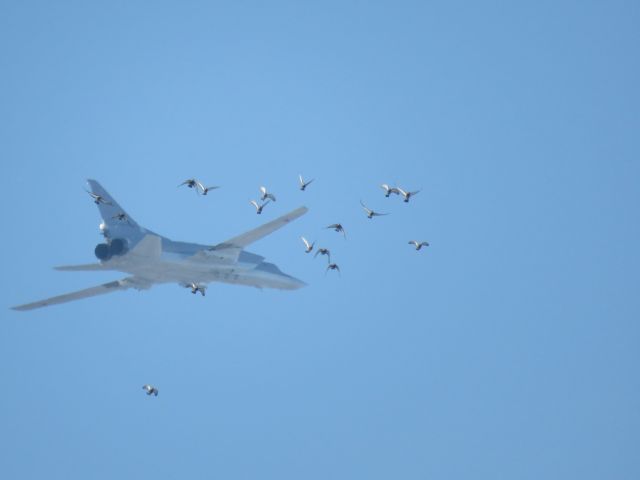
(150,259)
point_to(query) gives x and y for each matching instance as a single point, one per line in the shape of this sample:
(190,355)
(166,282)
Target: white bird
(98,199)
(150,389)
(332,266)
(389,190)
(266,194)
(371,213)
(304,184)
(258,207)
(418,245)
(323,251)
(197,287)
(308,246)
(338,228)
(407,195)
(206,190)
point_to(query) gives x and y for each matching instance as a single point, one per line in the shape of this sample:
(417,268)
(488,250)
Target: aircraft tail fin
(113,215)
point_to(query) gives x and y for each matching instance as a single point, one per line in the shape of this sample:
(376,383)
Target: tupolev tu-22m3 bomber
(150,259)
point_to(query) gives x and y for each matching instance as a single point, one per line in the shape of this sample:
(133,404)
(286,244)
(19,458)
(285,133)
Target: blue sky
(507,349)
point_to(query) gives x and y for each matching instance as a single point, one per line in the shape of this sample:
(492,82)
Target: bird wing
(376,214)
(254,203)
(306,243)
(415,193)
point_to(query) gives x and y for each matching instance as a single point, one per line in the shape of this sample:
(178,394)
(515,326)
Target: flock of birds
(265,198)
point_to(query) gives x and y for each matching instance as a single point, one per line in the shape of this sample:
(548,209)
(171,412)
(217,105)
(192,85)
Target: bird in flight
(266,194)
(205,190)
(307,246)
(122,217)
(150,389)
(304,184)
(197,287)
(191,183)
(258,207)
(407,195)
(332,266)
(98,199)
(389,190)
(371,213)
(338,228)
(418,245)
(323,251)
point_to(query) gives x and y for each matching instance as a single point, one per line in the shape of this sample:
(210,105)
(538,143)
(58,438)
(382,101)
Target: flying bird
(206,190)
(371,213)
(197,287)
(150,389)
(332,266)
(338,228)
(258,207)
(122,217)
(389,190)
(308,246)
(98,199)
(304,184)
(407,195)
(323,251)
(418,245)
(191,183)
(266,194)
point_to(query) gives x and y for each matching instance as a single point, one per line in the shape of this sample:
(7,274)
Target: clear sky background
(507,349)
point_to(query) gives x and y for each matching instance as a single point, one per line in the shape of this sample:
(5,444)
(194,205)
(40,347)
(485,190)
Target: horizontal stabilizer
(87,267)
(124,284)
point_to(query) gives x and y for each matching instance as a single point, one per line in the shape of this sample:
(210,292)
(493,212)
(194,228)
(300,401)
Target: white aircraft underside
(151,259)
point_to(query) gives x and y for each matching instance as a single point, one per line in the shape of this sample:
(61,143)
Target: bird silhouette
(418,245)
(407,195)
(371,213)
(258,207)
(304,184)
(150,389)
(338,228)
(308,246)
(266,194)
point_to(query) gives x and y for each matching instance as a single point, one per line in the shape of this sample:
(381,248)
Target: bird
(191,183)
(122,217)
(338,228)
(308,246)
(258,207)
(407,195)
(371,213)
(389,190)
(98,199)
(196,287)
(323,251)
(332,266)
(304,184)
(418,245)
(266,194)
(150,389)
(205,190)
